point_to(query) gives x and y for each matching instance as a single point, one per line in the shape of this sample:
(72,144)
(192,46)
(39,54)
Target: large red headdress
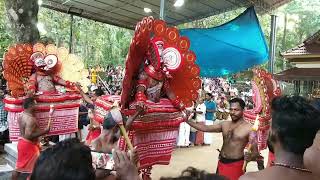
(162,51)
(20,60)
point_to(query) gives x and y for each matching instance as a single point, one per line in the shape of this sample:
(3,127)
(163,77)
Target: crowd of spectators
(111,76)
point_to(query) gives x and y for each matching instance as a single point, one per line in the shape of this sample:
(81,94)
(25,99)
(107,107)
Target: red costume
(271,159)
(34,71)
(102,106)
(199,136)
(28,153)
(92,135)
(232,169)
(265,88)
(162,76)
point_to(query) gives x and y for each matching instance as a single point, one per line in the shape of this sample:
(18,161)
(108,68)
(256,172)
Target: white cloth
(201,117)
(208,136)
(93,87)
(66,136)
(84,132)
(184,133)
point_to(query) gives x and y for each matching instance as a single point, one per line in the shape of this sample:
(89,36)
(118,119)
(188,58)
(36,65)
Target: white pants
(184,133)
(208,136)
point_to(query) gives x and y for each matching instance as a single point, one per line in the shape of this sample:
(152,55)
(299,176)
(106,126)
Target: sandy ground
(200,157)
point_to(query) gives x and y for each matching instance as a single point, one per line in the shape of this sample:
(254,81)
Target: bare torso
(311,156)
(102,145)
(28,125)
(282,173)
(235,138)
(45,83)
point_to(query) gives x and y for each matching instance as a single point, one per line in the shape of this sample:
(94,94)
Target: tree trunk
(71,35)
(23,16)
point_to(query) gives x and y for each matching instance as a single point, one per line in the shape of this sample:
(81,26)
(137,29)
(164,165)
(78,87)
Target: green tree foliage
(303,19)
(5,38)
(97,43)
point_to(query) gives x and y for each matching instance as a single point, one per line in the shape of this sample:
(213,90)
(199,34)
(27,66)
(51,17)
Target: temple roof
(310,48)
(126,13)
(299,74)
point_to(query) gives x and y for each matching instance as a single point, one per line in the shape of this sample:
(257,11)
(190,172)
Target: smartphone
(102,160)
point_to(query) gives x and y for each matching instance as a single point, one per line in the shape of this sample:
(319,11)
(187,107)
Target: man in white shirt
(200,111)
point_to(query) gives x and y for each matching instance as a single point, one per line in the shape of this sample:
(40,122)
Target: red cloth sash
(232,171)
(92,135)
(28,153)
(271,159)
(199,136)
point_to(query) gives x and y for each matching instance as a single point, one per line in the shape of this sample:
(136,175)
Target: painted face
(44,62)
(50,61)
(236,112)
(40,63)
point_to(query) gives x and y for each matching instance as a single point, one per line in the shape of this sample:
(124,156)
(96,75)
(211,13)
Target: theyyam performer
(36,71)
(162,78)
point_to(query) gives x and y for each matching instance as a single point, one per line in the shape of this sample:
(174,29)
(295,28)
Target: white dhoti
(184,133)
(208,136)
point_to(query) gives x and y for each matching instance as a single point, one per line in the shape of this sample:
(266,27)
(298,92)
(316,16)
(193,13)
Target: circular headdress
(50,61)
(154,41)
(171,58)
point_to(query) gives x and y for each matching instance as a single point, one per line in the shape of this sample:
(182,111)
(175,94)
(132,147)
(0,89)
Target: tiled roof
(298,74)
(310,46)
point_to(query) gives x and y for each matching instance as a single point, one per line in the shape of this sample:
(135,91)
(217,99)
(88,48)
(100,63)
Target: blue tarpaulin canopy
(232,47)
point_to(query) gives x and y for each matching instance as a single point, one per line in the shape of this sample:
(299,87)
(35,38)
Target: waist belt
(228,160)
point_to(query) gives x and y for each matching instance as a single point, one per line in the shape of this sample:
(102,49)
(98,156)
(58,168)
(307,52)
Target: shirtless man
(294,126)
(94,127)
(235,138)
(311,156)
(28,144)
(109,137)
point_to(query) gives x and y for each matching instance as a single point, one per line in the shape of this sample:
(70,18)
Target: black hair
(238,100)
(98,92)
(209,94)
(295,122)
(315,103)
(108,122)
(269,144)
(67,160)
(192,173)
(28,102)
